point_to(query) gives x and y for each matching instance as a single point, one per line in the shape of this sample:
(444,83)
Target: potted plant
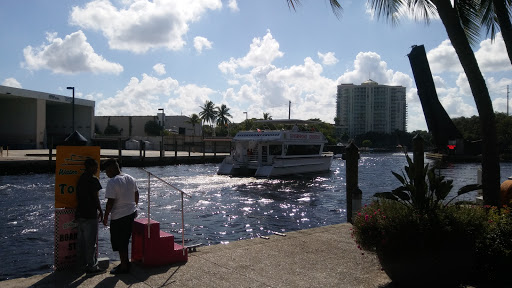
(420,238)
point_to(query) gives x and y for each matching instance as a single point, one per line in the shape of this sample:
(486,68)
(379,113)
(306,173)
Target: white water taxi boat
(270,153)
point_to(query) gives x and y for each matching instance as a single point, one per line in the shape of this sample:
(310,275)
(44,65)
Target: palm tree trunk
(500,8)
(490,156)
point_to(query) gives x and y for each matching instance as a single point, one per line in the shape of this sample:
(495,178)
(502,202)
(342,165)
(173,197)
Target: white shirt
(122,189)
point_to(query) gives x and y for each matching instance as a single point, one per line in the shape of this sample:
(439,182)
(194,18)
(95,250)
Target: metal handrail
(182,209)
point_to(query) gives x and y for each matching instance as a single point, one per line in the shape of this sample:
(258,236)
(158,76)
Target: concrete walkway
(319,257)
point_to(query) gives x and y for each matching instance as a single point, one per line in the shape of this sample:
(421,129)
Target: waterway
(220,209)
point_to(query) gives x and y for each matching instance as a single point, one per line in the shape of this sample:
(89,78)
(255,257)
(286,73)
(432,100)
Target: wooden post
(352,157)
(50,154)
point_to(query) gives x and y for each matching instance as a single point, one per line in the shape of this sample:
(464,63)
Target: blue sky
(133,57)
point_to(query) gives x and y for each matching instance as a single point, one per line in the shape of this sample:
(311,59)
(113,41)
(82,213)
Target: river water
(221,209)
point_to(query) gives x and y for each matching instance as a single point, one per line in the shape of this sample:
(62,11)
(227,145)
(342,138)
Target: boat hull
(279,167)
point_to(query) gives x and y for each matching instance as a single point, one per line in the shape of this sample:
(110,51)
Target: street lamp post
(245,115)
(162,150)
(73,109)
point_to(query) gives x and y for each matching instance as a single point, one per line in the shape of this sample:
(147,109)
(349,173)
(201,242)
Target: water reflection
(221,209)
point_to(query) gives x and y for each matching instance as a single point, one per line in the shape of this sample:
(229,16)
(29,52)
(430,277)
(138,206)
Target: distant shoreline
(26,167)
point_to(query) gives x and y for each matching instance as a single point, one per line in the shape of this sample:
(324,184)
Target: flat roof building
(36,120)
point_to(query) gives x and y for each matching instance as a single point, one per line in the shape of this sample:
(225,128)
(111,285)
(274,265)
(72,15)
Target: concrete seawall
(16,162)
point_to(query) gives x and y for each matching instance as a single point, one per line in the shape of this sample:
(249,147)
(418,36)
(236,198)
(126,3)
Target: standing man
(87,193)
(122,200)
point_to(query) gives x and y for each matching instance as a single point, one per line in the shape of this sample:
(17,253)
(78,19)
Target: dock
(14,162)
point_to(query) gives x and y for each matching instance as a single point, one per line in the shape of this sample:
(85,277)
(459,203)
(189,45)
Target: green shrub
(495,246)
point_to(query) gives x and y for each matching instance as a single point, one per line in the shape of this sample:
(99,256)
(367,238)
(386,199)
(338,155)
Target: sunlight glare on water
(219,209)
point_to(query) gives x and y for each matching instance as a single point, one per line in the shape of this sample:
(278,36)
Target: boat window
(303,150)
(275,149)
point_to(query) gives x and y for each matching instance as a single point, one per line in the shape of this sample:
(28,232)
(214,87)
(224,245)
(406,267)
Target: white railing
(182,209)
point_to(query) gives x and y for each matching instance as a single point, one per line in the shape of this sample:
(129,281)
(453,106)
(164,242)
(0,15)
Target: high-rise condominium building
(370,107)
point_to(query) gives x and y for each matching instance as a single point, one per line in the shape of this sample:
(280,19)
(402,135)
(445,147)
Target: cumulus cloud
(492,56)
(11,82)
(189,99)
(369,65)
(143,24)
(159,68)
(444,59)
(328,58)
(262,51)
(265,88)
(201,43)
(70,55)
(139,97)
(233,5)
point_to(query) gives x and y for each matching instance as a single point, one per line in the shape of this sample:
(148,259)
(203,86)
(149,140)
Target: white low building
(33,120)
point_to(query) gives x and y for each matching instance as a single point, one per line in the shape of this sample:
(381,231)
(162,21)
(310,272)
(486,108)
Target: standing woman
(122,200)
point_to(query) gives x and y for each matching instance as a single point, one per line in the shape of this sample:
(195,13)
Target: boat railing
(253,157)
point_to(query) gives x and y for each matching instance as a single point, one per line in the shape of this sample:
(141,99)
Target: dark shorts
(121,231)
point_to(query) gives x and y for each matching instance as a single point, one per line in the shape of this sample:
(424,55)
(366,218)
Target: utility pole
(289,109)
(73,108)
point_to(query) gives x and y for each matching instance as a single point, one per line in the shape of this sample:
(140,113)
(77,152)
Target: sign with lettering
(66,234)
(69,167)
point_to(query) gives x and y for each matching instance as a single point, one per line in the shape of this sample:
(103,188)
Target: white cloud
(139,97)
(201,43)
(444,59)
(11,82)
(328,58)
(261,52)
(144,24)
(190,98)
(269,89)
(368,65)
(70,55)
(159,68)
(492,56)
(233,5)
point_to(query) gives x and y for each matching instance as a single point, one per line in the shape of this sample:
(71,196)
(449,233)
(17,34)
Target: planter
(431,259)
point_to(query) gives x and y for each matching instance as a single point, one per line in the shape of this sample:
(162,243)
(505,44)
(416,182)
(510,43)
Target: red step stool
(156,247)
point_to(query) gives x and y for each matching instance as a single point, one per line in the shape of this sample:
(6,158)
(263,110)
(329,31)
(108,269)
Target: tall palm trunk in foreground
(490,156)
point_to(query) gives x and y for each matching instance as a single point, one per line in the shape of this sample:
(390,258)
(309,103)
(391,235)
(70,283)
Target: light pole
(163,116)
(73,109)
(162,133)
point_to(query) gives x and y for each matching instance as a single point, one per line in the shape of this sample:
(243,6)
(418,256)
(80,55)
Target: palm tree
(496,13)
(491,14)
(223,115)
(451,18)
(209,113)
(266,116)
(194,119)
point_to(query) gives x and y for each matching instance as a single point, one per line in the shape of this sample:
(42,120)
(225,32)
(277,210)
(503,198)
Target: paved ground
(319,257)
